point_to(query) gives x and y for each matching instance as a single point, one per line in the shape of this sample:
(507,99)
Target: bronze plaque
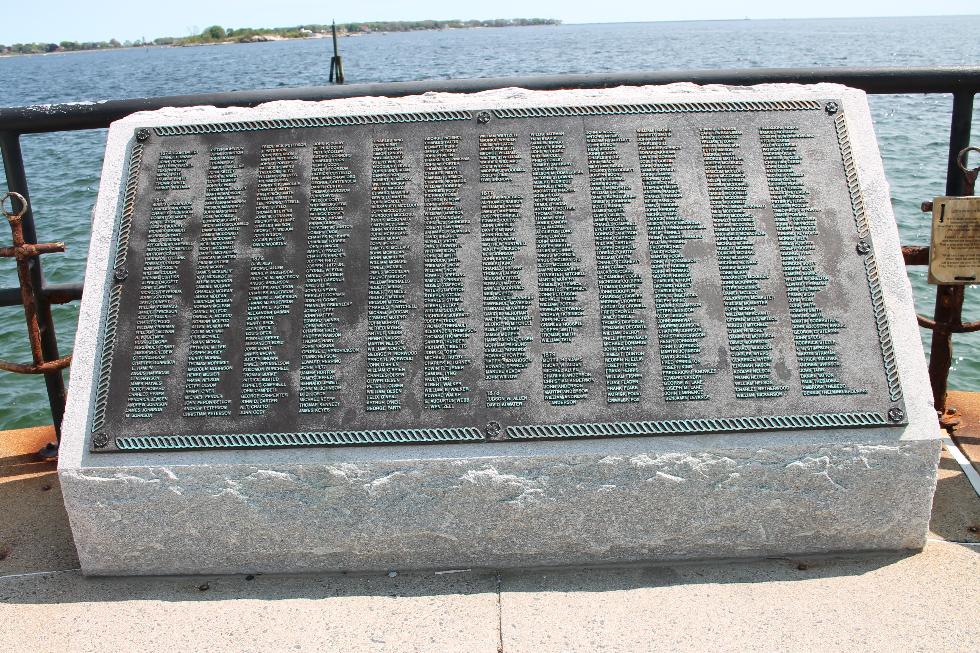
(503,274)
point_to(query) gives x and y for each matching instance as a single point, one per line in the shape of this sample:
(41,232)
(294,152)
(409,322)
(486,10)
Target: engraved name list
(510,273)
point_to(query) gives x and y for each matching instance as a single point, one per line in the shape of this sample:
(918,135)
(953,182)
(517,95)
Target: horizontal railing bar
(57,293)
(95,115)
(915,255)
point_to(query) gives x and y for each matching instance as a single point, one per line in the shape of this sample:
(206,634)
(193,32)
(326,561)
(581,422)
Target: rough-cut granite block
(505,504)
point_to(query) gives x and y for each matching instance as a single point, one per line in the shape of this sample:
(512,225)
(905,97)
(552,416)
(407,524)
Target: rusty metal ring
(962,157)
(13,196)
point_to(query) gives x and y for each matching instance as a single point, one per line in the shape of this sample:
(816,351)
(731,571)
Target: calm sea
(63,169)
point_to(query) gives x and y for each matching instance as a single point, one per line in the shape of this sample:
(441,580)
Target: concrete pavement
(880,602)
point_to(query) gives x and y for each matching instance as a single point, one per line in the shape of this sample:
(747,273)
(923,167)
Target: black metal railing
(961,82)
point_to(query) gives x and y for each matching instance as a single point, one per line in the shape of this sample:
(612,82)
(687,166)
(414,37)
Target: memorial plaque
(511,273)
(543,279)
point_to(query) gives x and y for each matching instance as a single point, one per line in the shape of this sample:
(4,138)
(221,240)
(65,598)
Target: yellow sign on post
(954,254)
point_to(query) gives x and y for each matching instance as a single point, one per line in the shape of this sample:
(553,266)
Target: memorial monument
(495,330)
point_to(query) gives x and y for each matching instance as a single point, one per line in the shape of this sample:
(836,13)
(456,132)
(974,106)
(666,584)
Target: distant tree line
(218,34)
(64,46)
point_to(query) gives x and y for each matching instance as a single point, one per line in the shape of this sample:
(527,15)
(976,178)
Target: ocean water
(63,168)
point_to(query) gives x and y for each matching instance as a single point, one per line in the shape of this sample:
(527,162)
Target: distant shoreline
(278,33)
(217,35)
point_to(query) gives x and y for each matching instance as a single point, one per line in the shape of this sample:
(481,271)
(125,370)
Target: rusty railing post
(13,164)
(949,299)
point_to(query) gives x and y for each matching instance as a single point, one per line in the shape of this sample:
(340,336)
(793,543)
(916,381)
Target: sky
(98,20)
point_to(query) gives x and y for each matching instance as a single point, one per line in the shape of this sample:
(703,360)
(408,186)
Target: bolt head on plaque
(120,274)
(483,117)
(896,414)
(863,248)
(142,135)
(831,107)
(100,440)
(495,431)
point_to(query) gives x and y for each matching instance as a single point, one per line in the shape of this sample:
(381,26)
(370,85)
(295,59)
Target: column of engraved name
(675,303)
(624,332)
(506,304)
(565,379)
(796,227)
(446,333)
(746,318)
(331,179)
(271,288)
(210,311)
(153,351)
(391,209)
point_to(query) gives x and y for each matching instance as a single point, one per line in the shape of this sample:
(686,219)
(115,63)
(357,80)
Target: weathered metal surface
(915,254)
(24,252)
(960,181)
(518,273)
(13,165)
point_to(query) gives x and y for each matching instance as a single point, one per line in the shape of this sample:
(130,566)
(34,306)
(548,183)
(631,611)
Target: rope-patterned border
(688,426)
(522,112)
(884,331)
(310,439)
(306,123)
(665,107)
(870,262)
(851,176)
(105,359)
(112,312)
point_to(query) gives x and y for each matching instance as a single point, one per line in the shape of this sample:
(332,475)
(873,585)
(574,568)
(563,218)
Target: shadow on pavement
(956,506)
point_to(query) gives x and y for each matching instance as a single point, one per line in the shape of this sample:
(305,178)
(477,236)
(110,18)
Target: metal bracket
(23,252)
